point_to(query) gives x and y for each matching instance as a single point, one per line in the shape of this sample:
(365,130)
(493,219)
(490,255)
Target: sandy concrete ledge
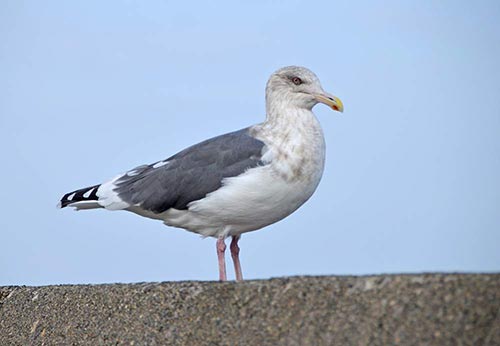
(431,309)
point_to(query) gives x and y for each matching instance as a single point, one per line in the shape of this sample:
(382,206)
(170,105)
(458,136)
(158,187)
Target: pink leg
(221,249)
(235,252)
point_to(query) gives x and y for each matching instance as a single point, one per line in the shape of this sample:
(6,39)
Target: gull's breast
(291,171)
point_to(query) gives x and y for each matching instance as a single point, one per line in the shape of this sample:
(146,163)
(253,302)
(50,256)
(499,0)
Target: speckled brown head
(300,87)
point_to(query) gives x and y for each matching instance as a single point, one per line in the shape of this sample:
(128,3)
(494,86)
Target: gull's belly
(259,197)
(262,195)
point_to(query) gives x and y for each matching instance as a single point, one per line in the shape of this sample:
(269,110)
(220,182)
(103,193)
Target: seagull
(238,182)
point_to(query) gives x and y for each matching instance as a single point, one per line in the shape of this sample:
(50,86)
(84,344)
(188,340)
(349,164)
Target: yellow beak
(331,101)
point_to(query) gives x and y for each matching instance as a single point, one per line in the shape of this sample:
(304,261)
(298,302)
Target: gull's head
(298,87)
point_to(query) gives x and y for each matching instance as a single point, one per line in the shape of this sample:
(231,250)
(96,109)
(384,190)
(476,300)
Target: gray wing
(190,174)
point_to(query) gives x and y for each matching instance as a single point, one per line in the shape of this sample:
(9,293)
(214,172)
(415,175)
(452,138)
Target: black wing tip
(63,204)
(78,195)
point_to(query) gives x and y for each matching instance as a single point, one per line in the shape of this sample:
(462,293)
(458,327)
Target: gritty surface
(430,309)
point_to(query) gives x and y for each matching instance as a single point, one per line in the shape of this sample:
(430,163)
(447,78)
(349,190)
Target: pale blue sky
(90,89)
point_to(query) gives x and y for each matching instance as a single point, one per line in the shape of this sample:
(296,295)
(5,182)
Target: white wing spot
(70,197)
(133,172)
(159,164)
(87,194)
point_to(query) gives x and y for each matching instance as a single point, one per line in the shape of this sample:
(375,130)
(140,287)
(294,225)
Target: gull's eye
(296,81)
